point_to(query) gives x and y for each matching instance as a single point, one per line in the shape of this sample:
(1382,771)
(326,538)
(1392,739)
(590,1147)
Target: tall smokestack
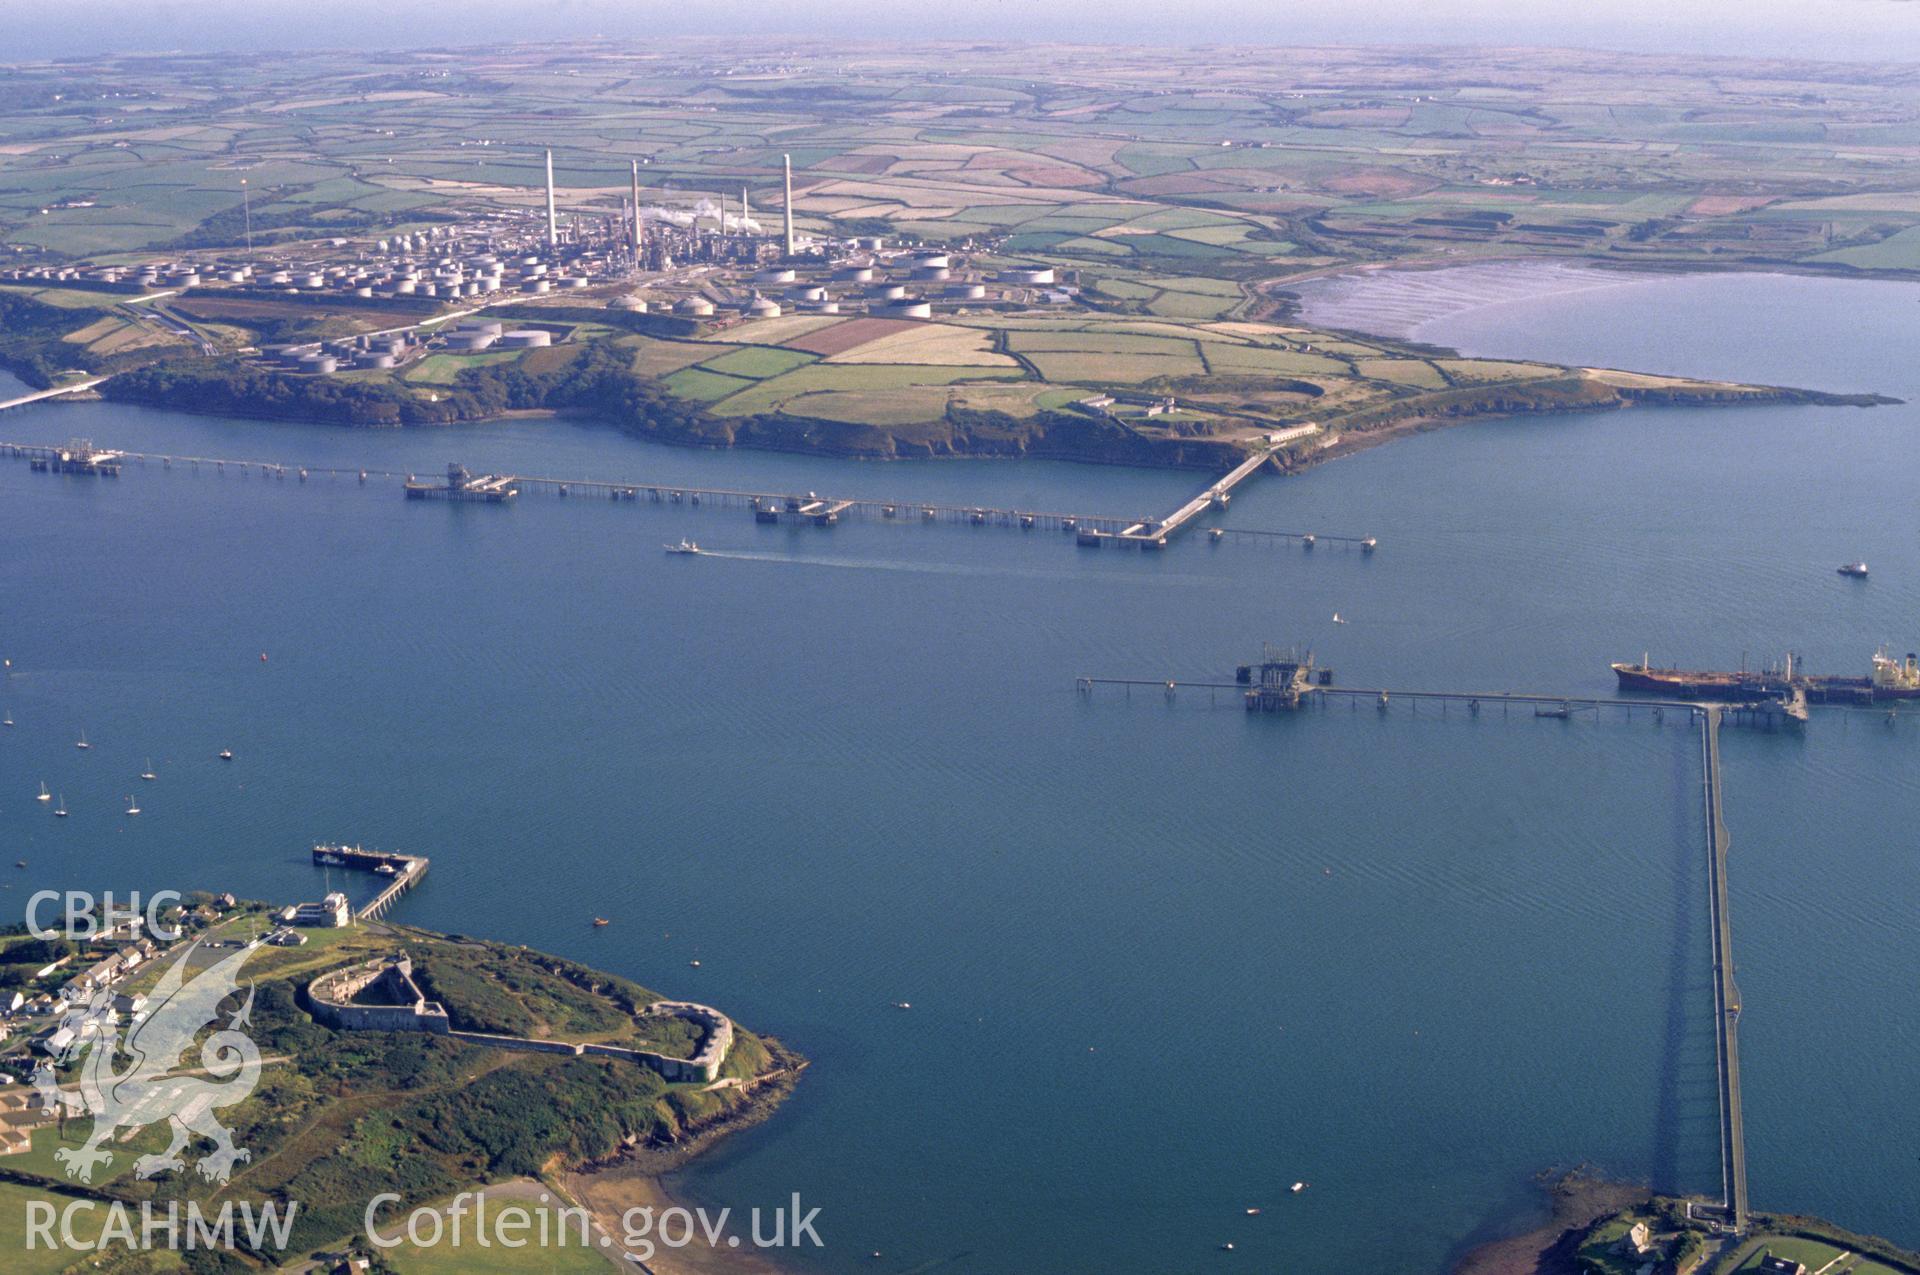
(636,212)
(745,216)
(786,163)
(553,220)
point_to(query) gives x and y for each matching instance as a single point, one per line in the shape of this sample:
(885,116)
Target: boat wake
(943,568)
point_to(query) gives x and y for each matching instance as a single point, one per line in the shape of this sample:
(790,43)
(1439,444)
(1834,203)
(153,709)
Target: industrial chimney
(786,162)
(636,212)
(553,220)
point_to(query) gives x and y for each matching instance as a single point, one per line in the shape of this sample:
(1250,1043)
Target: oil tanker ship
(1887,679)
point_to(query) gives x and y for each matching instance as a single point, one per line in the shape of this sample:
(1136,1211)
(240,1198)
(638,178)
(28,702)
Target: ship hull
(1693,684)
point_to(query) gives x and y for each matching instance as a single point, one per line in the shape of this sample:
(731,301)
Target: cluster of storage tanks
(475,335)
(903,292)
(321,358)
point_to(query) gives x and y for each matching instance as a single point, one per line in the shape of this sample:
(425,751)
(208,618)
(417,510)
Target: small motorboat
(599,921)
(1854,570)
(685,546)
(903,1005)
(1298,1187)
(1253,1212)
(226,754)
(694,964)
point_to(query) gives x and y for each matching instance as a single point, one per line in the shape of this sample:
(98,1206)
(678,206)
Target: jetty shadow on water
(1686,1111)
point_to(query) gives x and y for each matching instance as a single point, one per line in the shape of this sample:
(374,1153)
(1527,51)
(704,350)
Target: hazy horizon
(1852,30)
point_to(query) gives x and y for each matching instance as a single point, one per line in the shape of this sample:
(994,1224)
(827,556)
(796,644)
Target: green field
(40,1260)
(444,369)
(758,362)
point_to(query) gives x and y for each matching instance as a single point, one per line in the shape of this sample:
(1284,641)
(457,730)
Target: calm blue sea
(1164,959)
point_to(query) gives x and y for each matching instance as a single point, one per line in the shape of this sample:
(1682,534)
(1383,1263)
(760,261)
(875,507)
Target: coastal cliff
(597,382)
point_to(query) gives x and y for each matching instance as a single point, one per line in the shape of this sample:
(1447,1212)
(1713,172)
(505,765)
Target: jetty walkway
(1726,994)
(40,395)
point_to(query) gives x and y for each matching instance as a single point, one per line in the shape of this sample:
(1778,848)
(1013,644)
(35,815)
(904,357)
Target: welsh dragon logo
(157,1086)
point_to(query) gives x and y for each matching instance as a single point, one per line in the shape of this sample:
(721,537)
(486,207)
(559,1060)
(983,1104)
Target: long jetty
(1726,994)
(41,395)
(1759,713)
(800,508)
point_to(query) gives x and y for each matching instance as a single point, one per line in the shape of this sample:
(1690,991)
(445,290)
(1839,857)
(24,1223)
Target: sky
(1835,29)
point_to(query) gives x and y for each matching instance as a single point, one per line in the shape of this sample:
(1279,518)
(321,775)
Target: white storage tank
(967,291)
(902,310)
(854,274)
(763,308)
(774,274)
(887,291)
(536,286)
(470,341)
(694,306)
(1032,276)
(526,339)
(319,364)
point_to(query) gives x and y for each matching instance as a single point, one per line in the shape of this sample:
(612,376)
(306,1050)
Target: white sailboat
(148,772)
(44,794)
(82,743)
(133,807)
(61,809)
